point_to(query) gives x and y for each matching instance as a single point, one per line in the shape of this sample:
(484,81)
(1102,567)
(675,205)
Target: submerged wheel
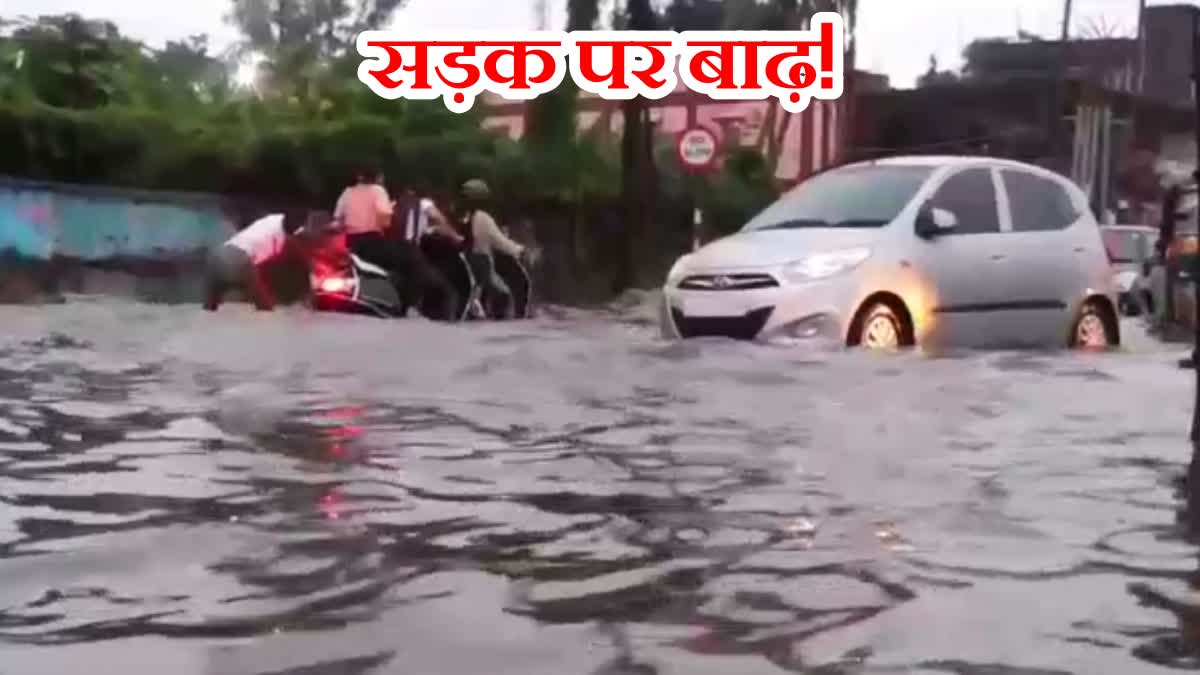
(882,328)
(1091,330)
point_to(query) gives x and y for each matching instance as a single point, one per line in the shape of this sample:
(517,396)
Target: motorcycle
(342,282)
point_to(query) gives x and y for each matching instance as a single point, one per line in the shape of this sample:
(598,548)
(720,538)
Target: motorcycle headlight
(335,285)
(821,265)
(677,270)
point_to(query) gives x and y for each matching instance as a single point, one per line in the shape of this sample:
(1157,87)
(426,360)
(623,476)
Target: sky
(896,37)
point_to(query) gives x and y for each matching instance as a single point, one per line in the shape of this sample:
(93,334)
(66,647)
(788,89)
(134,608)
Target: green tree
(15,84)
(684,15)
(72,62)
(187,67)
(303,41)
(323,28)
(552,117)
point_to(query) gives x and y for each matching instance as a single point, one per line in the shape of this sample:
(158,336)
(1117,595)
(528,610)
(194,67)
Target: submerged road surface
(266,494)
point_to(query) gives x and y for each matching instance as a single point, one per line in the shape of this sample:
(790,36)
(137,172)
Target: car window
(1123,246)
(1038,204)
(971,196)
(854,196)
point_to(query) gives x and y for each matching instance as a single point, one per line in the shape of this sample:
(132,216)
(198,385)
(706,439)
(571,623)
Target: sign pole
(697,149)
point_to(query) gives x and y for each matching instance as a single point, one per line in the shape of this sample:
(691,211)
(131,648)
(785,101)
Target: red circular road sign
(697,148)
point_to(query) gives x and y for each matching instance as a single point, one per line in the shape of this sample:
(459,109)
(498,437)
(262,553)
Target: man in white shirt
(416,217)
(235,264)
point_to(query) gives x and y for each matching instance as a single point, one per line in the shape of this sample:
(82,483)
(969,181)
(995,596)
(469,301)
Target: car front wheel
(1091,331)
(881,329)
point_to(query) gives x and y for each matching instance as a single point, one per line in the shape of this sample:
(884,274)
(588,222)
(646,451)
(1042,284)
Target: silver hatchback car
(930,251)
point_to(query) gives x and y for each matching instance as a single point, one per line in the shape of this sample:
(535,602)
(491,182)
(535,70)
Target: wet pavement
(267,494)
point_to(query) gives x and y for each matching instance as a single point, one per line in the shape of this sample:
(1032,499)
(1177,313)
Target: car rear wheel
(882,328)
(1091,331)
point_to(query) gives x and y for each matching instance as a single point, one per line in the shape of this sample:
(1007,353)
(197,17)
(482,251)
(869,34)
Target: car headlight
(677,270)
(821,265)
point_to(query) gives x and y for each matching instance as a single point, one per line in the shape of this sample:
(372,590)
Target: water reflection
(568,498)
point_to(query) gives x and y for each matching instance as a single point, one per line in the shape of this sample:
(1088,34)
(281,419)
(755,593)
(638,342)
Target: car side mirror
(933,222)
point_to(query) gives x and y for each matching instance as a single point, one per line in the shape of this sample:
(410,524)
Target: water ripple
(306,495)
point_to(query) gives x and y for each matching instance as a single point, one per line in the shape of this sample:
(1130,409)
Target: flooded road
(267,494)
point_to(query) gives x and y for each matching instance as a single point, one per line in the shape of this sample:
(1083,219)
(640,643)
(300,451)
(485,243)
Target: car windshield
(1122,245)
(856,196)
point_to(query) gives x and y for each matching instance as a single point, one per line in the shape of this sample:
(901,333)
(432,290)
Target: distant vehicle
(962,251)
(1130,251)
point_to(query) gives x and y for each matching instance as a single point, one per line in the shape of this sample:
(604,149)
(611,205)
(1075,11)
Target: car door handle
(998,257)
(1081,249)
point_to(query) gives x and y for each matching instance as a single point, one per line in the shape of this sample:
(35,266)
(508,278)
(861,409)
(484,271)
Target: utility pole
(1141,47)
(1132,141)
(1054,132)
(1193,480)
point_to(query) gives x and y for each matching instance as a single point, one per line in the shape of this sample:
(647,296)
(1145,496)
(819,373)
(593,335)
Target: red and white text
(794,66)
(616,65)
(460,68)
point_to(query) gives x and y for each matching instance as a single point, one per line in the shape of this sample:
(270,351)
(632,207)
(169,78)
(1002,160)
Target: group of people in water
(381,230)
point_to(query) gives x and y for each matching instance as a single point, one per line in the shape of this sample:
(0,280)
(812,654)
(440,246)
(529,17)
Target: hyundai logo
(722,282)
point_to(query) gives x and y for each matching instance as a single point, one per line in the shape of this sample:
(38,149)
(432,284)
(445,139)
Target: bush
(254,149)
(272,149)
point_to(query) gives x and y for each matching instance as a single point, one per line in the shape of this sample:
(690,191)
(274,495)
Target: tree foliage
(312,29)
(81,102)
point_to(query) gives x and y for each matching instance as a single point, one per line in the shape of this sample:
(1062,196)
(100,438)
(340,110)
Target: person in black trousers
(417,216)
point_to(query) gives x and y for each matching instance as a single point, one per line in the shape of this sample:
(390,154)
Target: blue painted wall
(44,220)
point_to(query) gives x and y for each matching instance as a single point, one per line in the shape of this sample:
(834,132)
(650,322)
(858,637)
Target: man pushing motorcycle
(415,217)
(484,237)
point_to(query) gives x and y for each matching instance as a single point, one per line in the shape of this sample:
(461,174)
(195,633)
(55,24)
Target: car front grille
(728,282)
(745,327)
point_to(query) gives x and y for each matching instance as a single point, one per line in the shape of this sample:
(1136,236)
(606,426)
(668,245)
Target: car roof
(948,160)
(961,161)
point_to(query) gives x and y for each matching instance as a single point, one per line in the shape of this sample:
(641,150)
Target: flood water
(288,493)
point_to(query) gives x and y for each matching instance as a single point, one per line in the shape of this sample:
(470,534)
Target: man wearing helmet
(484,237)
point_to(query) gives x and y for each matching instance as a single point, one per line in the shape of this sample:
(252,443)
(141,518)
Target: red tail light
(329,260)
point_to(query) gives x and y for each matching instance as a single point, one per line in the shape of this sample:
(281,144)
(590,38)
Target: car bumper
(819,310)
